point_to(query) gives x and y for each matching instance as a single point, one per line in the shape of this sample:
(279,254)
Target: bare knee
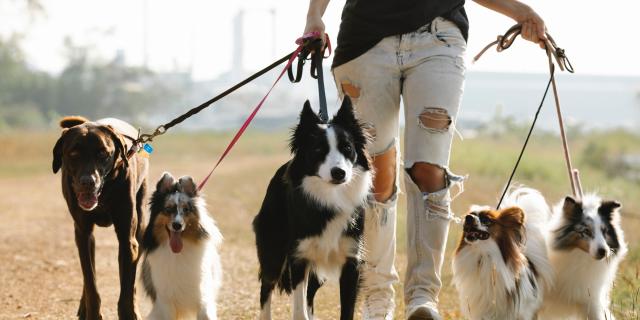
(385,178)
(428,177)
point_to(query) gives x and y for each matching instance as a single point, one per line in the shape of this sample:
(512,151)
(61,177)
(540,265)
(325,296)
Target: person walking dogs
(388,49)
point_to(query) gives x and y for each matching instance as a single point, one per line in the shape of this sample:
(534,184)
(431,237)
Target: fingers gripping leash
(553,53)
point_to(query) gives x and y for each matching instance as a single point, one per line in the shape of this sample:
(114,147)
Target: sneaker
(378,305)
(428,311)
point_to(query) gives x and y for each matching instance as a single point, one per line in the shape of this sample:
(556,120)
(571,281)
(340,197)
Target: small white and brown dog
(586,244)
(181,271)
(501,267)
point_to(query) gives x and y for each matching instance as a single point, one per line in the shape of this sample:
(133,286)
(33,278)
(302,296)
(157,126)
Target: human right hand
(315,24)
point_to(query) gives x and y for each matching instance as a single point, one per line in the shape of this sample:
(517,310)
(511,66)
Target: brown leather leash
(553,53)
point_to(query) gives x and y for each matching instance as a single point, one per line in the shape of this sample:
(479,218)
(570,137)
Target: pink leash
(301,42)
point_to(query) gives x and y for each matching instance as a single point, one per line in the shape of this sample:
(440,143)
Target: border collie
(586,244)
(310,225)
(181,271)
(501,266)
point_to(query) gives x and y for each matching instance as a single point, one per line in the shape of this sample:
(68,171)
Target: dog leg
(265,300)
(208,312)
(90,302)
(314,285)
(300,279)
(127,232)
(161,310)
(349,281)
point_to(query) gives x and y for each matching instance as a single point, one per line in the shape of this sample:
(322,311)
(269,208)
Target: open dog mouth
(175,240)
(88,200)
(472,234)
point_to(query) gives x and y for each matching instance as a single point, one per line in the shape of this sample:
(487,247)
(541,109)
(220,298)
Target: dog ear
(511,217)
(72,121)
(308,120)
(57,152)
(308,116)
(120,144)
(166,182)
(186,185)
(345,117)
(609,210)
(571,208)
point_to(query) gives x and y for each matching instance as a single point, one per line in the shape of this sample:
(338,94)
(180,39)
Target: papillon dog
(501,267)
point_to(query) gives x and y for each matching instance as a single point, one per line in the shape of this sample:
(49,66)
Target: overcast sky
(600,37)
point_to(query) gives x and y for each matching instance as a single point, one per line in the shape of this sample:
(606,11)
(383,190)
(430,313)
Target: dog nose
(601,253)
(177,226)
(337,174)
(86,181)
(468,219)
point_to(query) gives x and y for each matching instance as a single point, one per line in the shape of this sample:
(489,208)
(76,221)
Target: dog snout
(87,182)
(337,174)
(468,219)
(176,226)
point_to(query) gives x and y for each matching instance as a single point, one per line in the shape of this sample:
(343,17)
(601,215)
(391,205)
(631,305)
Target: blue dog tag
(148,148)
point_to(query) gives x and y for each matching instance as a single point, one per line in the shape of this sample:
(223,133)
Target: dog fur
(181,270)
(501,267)
(586,244)
(310,225)
(102,187)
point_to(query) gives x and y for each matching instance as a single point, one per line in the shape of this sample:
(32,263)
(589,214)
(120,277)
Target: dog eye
(347,149)
(485,220)
(586,233)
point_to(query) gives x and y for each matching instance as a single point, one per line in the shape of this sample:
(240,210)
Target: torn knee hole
(385,178)
(350,89)
(435,119)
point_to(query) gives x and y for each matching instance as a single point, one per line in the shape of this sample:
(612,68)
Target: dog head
(590,225)
(331,151)
(175,211)
(503,227)
(87,152)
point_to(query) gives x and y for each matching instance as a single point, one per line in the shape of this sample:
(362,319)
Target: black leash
(317,55)
(307,47)
(526,141)
(553,51)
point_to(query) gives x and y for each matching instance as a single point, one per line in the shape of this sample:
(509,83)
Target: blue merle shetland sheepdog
(586,245)
(310,226)
(181,271)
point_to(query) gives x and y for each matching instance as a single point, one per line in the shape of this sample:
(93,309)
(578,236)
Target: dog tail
(72,121)
(535,207)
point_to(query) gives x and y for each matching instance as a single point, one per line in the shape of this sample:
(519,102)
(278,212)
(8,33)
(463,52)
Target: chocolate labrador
(102,187)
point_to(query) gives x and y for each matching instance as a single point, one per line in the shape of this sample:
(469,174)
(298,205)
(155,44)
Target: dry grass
(41,275)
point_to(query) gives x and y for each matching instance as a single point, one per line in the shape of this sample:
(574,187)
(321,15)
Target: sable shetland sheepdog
(181,271)
(586,244)
(310,226)
(501,266)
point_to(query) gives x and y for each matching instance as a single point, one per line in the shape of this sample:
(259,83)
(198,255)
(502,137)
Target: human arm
(533,27)
(314,16)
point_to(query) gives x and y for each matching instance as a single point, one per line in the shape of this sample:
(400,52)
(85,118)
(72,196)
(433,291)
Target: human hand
(533,27)
(315,24)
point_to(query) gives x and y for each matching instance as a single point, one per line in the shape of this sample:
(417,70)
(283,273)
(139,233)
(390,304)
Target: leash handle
(553,52)
(314,46)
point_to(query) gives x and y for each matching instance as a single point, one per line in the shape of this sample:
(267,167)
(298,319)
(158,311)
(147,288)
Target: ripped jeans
(425,68)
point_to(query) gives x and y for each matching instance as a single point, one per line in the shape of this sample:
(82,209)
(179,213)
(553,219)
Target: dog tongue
(87,199)
(176,241)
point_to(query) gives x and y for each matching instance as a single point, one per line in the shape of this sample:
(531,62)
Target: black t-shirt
(366,22)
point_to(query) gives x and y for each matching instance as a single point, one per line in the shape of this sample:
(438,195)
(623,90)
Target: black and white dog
(310,226)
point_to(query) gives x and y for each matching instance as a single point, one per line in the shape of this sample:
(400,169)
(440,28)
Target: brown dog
(102,187)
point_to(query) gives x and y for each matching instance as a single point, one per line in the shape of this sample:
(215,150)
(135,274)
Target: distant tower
(237,67)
